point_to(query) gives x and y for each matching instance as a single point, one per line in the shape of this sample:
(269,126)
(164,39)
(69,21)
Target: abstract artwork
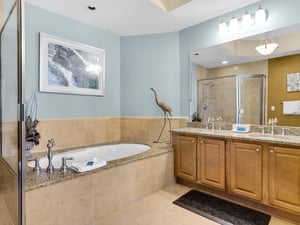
(70,67)
(293,82)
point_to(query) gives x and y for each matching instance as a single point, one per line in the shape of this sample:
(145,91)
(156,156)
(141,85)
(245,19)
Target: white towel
(291,107)
(88,165)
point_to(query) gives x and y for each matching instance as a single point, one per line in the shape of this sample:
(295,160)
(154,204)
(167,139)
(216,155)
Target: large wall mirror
(236,76)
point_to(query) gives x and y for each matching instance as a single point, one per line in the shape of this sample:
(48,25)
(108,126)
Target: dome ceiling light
(266,47)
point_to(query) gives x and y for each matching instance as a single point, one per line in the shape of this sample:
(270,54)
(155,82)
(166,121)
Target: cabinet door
(185,158)
(284,178)
(245,170)
(211,162)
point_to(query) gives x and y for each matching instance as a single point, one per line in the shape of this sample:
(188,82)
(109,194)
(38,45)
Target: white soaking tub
(87,159)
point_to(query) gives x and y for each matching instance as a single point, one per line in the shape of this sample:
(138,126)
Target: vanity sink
(274,136)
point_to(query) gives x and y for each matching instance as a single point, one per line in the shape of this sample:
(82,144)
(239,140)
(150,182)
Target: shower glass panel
(217,97)
(9,92)
(11,186)
(236,98)
(250,99)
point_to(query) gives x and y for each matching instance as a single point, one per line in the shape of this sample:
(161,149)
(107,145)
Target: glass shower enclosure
(236,98)
(12,162)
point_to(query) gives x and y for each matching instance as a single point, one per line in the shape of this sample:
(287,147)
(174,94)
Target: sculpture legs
(162,129)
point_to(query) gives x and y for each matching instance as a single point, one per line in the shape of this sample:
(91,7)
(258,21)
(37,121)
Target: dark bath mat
(221,211)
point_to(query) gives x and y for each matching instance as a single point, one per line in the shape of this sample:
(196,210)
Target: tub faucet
(50,167)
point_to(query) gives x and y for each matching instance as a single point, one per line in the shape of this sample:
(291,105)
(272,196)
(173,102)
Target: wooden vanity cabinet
(245,170)
(211,162)
(185,157)
(255,174)
(284,178)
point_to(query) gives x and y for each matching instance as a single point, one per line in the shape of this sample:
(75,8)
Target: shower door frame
(239,77)
(18,5)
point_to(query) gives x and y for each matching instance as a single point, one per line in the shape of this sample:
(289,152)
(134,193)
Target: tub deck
(42,179)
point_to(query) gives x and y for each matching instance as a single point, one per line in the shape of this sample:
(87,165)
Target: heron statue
(167,112)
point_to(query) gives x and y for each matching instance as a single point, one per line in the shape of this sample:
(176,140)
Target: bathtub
(86,159)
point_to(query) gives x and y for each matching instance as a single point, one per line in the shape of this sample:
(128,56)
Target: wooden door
(185,158)
(284,178)
(211,163)
(245,170)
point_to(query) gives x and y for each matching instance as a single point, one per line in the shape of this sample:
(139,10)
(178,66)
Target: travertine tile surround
(147,129)
(5,218)
(8,196)
(69,133)
(87,199)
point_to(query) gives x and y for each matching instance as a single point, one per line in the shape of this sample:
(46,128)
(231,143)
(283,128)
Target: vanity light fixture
(260,15)
(266,47)
(246,21)
(223,27)
(233,24)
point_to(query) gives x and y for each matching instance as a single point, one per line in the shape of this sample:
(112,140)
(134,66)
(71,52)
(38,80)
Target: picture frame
(293,82)
(70,67)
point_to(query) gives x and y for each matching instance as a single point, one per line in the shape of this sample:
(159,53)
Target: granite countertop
(37,180)
(252,136)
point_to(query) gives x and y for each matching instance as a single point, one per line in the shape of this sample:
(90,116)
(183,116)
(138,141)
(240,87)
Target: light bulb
(222,27)
(260,15)
(233,24)
(266,48)
(246,20)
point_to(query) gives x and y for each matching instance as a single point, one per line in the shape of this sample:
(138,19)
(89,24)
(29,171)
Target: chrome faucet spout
(51,143)
(273,123)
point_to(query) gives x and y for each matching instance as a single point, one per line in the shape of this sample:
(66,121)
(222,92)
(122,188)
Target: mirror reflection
(236,98)
(221,72)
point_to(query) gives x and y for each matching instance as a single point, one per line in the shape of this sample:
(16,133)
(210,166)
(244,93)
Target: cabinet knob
(271,151)
(201,142)
(193,141)
(257,149)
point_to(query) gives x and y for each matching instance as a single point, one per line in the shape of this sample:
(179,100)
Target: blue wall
(52,105)
(134,64)
(149,61)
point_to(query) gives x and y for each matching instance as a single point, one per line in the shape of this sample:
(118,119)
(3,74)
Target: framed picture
(70,67)
(293,82)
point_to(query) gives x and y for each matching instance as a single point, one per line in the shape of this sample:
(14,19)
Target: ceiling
(138,17)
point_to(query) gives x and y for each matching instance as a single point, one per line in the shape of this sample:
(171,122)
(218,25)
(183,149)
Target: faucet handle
(37,167)
(64,167)
(262,127)
(283,131)
(51,142)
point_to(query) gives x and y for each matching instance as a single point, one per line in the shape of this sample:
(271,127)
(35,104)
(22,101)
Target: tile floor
(157,209)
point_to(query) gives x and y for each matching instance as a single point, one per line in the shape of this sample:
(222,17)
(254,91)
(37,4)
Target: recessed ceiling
(169,5)
(138,17)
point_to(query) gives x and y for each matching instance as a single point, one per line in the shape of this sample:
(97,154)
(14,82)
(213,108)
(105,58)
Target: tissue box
(243,128)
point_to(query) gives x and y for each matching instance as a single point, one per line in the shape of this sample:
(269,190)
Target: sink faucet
(50,167)
(273,123)
(220,121)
